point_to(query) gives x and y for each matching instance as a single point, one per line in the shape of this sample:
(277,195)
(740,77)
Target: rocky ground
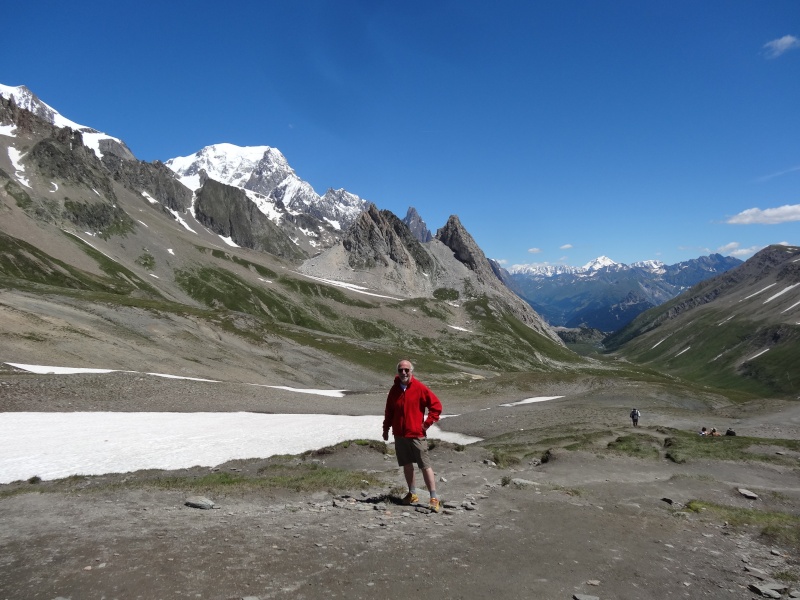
(584,524)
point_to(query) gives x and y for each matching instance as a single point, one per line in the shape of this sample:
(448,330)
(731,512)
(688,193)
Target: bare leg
(430,479)
(408,471)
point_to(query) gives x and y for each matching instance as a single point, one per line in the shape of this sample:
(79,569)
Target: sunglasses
(404,370)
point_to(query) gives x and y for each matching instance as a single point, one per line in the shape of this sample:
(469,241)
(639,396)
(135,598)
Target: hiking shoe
(410,498)
(435,505)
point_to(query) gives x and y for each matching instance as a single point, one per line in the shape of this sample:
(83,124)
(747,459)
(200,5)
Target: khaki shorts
(412,450)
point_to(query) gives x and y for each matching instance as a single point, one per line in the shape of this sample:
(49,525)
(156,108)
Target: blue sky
(556,131)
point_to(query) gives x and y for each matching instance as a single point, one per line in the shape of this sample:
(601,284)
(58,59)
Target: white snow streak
(328,393)
(725,321)
(47,370)
(781,293)
(682,351)
(658,342)
(757,355)
(459,328)
(791,307)
(149,198)
(348,286)
(532,400)
(15,156)
(44,370)
(758,292)
(180,220)
(229,241)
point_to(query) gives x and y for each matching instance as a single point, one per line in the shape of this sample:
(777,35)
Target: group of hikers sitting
(715,433)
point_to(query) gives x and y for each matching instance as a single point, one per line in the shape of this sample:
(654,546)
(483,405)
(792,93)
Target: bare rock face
(454,236)
(379,238)
(467,251)
(380,250)
(227,211)
(154,178)
(417,226)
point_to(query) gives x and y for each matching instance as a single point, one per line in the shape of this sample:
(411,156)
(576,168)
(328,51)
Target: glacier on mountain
(265,171)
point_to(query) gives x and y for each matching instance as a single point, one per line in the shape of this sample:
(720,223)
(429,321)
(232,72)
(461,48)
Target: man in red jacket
(406,404)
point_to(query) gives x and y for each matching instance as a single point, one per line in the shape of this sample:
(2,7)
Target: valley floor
(587,521)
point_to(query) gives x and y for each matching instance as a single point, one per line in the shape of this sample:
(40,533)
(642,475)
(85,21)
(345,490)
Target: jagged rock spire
(417,226)
(454,236)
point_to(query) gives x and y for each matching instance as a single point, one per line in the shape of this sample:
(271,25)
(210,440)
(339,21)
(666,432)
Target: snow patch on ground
(532,400)
(348,286)
(16,156)
(56,445)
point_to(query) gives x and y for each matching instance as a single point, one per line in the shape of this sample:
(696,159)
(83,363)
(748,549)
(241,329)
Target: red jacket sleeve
(434,406)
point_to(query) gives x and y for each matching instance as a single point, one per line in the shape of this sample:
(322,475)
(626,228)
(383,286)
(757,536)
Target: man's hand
(386,436)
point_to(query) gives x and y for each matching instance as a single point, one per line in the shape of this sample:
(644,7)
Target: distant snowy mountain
(265,171)
(604,294)
(601,262)
(598,264)
(98,141)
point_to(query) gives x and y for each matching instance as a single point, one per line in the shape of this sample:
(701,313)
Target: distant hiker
(714,432)
(406,404)
(635,414)
(730,432)
(703,431)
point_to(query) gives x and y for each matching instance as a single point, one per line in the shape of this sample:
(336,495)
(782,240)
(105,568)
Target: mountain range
(607,295)
(226,261)
(236,232)
(740,329)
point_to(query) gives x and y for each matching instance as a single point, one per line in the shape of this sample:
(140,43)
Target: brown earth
(586,522)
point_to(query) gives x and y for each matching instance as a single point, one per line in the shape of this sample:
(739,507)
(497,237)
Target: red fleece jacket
(405,409)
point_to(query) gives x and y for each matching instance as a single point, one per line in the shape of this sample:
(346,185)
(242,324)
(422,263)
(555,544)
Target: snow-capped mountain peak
(543,270)
(266,171)
(229,164)
(654,266)
(601,262)
(24,98)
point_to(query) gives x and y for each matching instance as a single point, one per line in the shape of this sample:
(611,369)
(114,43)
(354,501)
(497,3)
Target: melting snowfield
(55,445)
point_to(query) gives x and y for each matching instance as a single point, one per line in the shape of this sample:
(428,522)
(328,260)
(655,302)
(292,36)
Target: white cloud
(727,248)
(768,216)
(534,250)
(746,251)
(735,249)
(777,47)
(501,261)
(565,247)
